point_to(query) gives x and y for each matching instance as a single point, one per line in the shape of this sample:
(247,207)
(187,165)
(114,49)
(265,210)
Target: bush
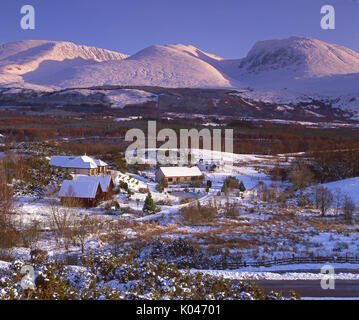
(161,186)
(107,276)
(194,214)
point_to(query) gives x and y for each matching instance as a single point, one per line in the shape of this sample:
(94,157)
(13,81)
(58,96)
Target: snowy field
(255,230)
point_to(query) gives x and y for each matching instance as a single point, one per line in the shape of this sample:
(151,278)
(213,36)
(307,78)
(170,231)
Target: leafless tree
(338,200)
(29,233)
(301,177)
(348,208)
(324,199)
(84,228)
(61,221)
(8,232)
(6,197)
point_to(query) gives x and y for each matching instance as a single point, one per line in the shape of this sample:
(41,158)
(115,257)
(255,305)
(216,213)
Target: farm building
(178,175)
(80,165)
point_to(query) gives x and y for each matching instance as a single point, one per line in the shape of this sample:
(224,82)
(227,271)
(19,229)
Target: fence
(287,261)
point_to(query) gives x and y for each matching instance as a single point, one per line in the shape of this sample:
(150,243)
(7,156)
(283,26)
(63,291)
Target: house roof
(82,162)
(181,171)
(60,161)
(79,189)
(100,163)
(104,181)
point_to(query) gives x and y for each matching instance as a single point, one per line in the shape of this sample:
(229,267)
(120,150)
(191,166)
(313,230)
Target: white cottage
(80,165)
(178,175)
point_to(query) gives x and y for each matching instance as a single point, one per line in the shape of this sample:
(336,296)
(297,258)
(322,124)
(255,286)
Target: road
(312,288)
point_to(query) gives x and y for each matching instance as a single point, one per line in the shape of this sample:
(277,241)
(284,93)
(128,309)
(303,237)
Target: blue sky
(227,28)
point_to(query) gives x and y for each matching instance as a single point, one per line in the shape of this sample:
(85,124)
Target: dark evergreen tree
(242,188)
(149,206)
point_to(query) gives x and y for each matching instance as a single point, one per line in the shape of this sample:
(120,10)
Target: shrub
(161,186)
(194,214)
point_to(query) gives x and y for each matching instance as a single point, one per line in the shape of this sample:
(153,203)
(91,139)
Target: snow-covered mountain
(64,65)
(299,69)
(21,61)
(164,66)
(300,57)
(288,70)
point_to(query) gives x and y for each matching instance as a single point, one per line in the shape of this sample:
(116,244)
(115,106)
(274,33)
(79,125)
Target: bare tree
(6,197)
(8,232)
(324,199)
(301,177)
(29,233)
(84,229)
(338,200)
(61,222)
(348,209)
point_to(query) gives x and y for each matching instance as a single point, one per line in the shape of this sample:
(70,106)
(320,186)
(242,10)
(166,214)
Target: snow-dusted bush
(121,277)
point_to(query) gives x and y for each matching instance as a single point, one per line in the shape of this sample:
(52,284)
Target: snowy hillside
(36,59)
(165,66)
(281,71)
(299,69)
(304,57)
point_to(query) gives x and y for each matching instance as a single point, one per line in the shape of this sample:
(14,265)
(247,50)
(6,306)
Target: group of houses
(93,184)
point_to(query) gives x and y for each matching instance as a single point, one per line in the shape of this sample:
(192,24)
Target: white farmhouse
(80,165)
(178,175)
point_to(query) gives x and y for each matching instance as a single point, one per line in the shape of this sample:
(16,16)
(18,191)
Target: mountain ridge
(289,69)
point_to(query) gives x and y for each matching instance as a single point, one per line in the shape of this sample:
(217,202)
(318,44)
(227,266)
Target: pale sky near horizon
(228,28)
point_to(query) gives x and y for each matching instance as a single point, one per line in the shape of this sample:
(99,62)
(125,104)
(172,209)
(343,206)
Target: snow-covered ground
(258,231)
(348,187)
(245,275)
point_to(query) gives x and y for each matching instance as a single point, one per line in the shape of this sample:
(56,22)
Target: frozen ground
(259,230)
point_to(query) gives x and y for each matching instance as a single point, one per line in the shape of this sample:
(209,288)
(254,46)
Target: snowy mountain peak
(303,56)
(24,56)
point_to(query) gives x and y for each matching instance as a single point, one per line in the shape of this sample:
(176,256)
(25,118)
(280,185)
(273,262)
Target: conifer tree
(242,188)
(149,206)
